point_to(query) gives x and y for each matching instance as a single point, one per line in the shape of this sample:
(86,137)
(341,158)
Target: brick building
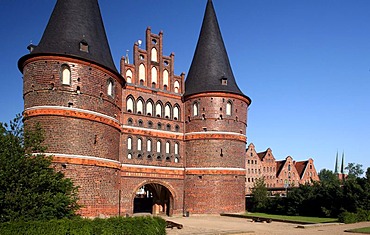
(142,139)
(277,174)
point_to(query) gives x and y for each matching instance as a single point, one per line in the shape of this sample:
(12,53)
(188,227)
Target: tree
(327,177)
(30,189)
(259,194)
(354,170)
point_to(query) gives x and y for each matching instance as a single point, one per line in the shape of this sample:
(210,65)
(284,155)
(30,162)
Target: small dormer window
(224,81)
(84,46)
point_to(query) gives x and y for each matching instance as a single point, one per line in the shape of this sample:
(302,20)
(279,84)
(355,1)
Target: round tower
(72,88)
(216,120)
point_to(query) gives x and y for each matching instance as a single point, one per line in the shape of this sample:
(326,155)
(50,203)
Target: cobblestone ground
(222,225)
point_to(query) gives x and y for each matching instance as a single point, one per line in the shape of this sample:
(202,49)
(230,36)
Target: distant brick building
(277,174)
(142,139)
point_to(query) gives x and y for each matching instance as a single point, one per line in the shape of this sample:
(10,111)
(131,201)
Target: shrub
(347,217)
(78,226)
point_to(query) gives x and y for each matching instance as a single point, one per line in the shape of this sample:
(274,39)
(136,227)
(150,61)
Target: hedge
(349,217)
(115,225)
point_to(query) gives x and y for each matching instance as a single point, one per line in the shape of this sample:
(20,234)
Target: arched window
(129,143)
(158,146)
(149,145)
(195,109)
(228,108)
(167,147)
(66,75)
(154,55)
(130,105)
(139,106)
(129,156)
(110,88)
(158,110)
(139,144)
(154,76)
(176,160)
(176,113)
(177,87)
(167,111)
(176,148)
(165,79)
(142,74)
(129,76)
(149,108)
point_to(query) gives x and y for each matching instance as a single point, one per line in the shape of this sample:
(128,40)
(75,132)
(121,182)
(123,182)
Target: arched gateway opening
(153,198)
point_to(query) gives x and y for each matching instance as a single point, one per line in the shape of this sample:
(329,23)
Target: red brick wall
(78,136)
(98,188)
(213,194)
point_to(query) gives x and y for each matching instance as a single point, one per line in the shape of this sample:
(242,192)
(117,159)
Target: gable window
(176,113)
(165,79)
(177,86)
(154,76)
(130,105)
(158,110)
(154,56)
(129,76)
(149,108)
(139,107)
(66,75)
(142,74)
(167,111)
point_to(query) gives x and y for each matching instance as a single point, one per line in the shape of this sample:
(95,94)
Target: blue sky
(305,64)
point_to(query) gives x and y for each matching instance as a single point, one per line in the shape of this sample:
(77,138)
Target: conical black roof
(210,62)
(71,23)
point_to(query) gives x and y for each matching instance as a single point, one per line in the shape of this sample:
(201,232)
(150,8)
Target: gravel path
(222,225)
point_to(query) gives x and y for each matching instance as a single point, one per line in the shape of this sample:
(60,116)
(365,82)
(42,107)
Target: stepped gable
(75,29)
(210,70)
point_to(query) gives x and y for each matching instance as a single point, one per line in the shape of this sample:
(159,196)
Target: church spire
(336,164)
(210,70)
(75,29)
(342,165)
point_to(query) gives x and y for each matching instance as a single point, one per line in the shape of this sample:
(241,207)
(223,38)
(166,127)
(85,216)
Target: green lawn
(302,219)
(365,230)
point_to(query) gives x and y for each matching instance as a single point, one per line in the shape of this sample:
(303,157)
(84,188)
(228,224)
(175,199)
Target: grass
(300,219)
(365,230)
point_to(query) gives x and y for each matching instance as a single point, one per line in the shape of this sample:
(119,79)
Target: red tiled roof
(301,166)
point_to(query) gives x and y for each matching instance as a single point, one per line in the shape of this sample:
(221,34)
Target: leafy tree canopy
(30,189)
(354,170)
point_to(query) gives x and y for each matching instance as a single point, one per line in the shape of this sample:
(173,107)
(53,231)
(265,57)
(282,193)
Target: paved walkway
(223,225)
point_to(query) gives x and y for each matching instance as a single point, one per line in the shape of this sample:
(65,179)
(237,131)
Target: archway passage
(153,198)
